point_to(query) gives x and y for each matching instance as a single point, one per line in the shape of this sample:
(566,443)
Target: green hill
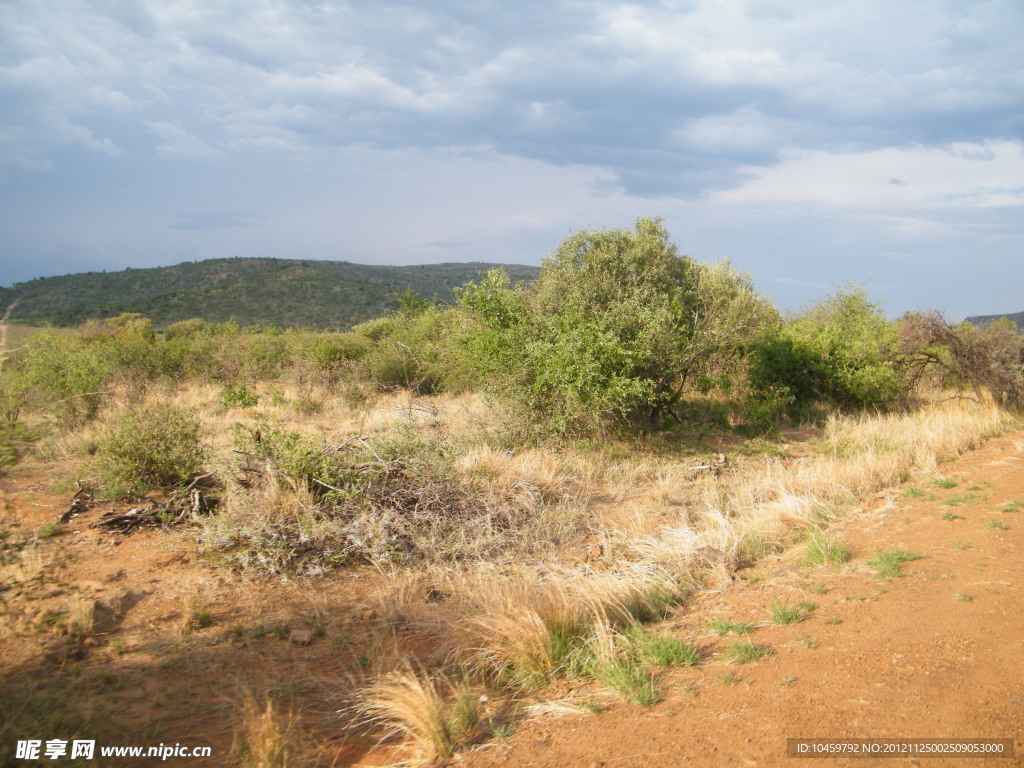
(1017,317)
(277,292)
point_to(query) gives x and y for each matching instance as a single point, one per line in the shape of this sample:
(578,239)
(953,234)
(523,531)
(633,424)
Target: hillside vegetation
(1017,318)
(270,292)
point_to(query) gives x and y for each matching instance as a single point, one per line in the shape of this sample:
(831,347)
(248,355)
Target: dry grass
(266,737)
(433,714)
(762,506)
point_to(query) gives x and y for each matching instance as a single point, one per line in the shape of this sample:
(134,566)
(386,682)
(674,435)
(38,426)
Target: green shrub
(153,446)
(842,350)
(65,374)
(238,395)
(417,349)
(617,329)
(185,329)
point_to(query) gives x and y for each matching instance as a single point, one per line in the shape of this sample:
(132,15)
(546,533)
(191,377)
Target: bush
(64,374)
(238,396)
(842,351)
(414,349)
(618,328)
(155,446)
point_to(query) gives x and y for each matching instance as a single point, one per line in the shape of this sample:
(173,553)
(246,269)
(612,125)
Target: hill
(275,292)
(1017,317)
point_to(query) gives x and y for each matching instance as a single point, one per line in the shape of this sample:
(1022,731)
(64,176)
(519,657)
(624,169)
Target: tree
(989,358)
(614,330)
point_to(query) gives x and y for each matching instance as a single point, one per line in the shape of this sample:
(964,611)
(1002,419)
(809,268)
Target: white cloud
(937,179)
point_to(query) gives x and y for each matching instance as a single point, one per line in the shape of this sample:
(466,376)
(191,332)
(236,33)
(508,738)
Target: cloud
(674,98)
(827,134)
(176,142)
(892,182)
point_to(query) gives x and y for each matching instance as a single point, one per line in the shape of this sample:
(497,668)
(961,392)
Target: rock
(302,636)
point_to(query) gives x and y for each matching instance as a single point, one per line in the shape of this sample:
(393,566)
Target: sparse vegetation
(723,627)
(745,652)
(887,564)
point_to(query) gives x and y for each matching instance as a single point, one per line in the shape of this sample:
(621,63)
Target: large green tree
(616,328)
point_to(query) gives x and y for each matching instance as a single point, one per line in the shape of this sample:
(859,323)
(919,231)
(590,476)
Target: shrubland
(541,469)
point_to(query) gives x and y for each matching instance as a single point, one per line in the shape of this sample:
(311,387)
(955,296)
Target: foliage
(63,375)
(616,329)
(155,446)
(238,396)
(841,350)
(412,349)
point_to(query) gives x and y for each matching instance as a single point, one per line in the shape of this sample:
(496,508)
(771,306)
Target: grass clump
(627,677)
(266,738)
(155,446)
(824,550)
(50,530)
(887,563)
(434,713)
(660,649)
(951,516)
(945,482)
(964,498)
(745,652)
(789,614)
(998,525)
(722,627)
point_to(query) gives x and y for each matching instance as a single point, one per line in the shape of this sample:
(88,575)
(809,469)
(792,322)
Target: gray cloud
(674,98)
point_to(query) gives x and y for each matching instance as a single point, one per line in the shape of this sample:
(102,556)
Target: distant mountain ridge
(271,292)
(1017,317)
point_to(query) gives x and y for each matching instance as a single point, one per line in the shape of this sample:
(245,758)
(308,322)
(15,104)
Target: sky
(813,143)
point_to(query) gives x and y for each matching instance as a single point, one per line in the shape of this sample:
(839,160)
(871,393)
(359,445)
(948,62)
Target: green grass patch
(912,493)
(722,627)
(789,614)
(945,482)
(745,652)
(951,516)
(660,649)
(887,563)
(961,545)
(998,525)
(964,498)
(825,550)
(965,597)
(630,679)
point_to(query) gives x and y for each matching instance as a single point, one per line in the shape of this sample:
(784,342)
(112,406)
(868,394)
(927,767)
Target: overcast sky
(811,142)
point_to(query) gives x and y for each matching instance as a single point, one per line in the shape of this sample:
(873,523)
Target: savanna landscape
(620,512)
